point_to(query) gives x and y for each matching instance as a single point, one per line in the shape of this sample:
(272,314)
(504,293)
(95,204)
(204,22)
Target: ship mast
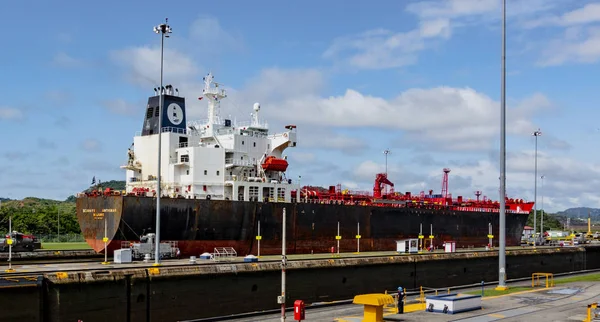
(214,96)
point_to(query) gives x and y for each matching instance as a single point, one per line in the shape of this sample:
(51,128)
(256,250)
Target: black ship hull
(201,225)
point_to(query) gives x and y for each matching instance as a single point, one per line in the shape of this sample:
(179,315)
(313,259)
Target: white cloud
(303,157)
(381,48)
(64,60)
(577,44)
(120,106)
(207,35)
(10,113)
(460,118)
(589,13)
(59,97)
(91,145)
(44,143)
(143,65)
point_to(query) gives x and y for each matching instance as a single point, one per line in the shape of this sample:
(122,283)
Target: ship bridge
(215,158)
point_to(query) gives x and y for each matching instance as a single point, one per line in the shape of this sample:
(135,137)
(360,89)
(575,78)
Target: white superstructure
(213,159)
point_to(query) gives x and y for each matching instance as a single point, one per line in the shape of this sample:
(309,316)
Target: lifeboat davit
(272,163)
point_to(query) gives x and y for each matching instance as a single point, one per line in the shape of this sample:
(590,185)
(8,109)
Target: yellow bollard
(373,305)
(590,315)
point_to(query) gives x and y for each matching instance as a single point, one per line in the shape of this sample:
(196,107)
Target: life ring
(285,135)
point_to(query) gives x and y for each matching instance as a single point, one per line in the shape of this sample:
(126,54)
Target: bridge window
(205,172)
(217,172)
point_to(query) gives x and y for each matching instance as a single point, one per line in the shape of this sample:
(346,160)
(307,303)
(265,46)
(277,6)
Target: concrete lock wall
(198,291)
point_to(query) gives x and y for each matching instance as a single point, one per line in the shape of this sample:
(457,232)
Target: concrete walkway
(567,302)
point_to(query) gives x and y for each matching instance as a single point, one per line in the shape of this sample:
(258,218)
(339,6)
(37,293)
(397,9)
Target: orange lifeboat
(272,163)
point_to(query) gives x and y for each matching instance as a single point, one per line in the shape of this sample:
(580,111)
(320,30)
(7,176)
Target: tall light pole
(502,212)
(386,152)
(58,222)
(535,238)
(543,211)
(164,30)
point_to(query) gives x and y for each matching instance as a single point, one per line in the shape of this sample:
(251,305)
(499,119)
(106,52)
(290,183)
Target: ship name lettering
(89,210)
(98,215)
(109,210)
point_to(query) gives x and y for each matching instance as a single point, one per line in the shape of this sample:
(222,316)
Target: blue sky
(421,78)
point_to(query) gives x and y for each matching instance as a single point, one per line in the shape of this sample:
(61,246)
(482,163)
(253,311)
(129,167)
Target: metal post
(431,236)
(283,264)
(535,237)
(357,237)
(502,212)
(258,238)
(58,208)
(420,236)
(386,152)
(543,212)
(299,189)
(10,269)
(105,239)
(162,29)
(490,235)
(338,239)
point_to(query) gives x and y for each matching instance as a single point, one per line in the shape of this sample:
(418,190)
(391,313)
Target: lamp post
(543,211)
(535,238)
(164,30)
(386,152)
(58,223)
(502,212)
(299,189)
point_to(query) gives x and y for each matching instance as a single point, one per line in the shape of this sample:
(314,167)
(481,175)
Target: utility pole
(535,239)
(164,30)
(502,212)
(543,211)
(282,298)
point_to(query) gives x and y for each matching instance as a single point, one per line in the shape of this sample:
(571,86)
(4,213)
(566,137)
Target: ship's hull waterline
(201,225)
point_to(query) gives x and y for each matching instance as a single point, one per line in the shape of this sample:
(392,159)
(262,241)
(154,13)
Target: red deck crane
(445,183)
(379,181)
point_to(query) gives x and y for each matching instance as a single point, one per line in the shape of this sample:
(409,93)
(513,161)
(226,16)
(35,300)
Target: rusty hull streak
(92,224)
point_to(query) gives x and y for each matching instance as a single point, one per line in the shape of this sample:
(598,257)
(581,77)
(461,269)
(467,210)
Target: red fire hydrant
(299,310)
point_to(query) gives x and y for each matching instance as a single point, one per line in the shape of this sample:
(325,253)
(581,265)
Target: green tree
(551,222)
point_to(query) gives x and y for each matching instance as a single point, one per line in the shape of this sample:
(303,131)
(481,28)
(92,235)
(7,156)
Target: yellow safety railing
(535,279)
(591,312)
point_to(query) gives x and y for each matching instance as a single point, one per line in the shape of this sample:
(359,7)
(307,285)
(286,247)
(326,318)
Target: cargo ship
(224,184)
